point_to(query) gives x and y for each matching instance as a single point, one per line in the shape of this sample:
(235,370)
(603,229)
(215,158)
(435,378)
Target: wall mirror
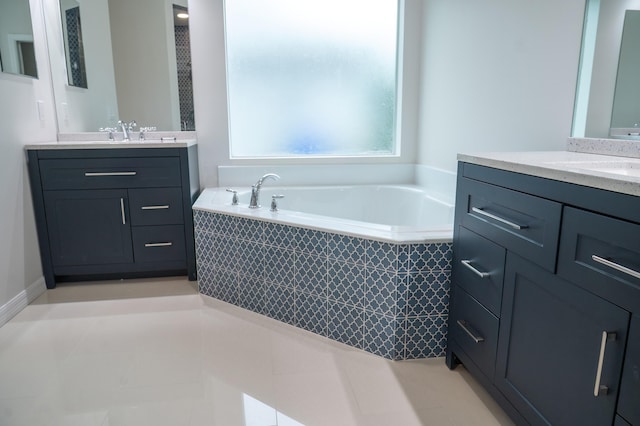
(608,94)
(120,60)
(17,53)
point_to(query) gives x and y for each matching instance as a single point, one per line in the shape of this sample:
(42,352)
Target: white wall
(497,75)
(20,124)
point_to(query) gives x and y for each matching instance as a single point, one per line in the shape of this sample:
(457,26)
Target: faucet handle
(274,203)
(234,200)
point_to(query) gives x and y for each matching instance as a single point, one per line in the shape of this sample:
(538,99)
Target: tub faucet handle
(234,200)
(274,202)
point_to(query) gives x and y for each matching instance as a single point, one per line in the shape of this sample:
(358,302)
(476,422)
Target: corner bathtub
(367,265)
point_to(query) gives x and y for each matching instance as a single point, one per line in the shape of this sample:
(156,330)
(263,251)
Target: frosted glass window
(311,77)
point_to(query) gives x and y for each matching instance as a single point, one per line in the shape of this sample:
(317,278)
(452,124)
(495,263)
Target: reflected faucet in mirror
(126,128)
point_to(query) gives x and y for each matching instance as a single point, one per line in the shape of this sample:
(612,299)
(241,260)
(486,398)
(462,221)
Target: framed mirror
(133,62)
(606,105)
(17,50)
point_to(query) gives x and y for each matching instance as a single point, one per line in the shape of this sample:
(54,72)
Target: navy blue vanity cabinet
(545,297)
(114,213)
(560,348)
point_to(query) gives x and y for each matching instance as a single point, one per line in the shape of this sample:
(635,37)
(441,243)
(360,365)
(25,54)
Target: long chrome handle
(93,174)
(158,244)
(463,324)
(481,274)
(164,207)
(616,266)
(599,389)
(124,220)
(498,218)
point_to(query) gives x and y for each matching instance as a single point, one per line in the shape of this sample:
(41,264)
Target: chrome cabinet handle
(464,325)
(616,266)
(158,244)
(124,220)
(498,218)
(481,274)
(93,174)
(599,389)
(164,207)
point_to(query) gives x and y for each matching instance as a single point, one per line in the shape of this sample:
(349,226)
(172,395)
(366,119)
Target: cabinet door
(557,344)
(88,227)
(629,403)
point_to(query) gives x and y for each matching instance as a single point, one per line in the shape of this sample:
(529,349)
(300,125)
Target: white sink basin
(621,168)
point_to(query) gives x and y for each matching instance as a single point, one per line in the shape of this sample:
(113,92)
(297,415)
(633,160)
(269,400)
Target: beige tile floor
(155,352)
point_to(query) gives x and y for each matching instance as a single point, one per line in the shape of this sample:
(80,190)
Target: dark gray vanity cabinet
(114,213)
(545,285)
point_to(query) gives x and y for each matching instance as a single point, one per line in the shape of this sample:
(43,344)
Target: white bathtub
(392,213)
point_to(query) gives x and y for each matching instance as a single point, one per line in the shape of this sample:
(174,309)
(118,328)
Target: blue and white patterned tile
(427,293)
(381,292)
(380,335)
(224,253)
(279,303)
(279,266)
(205,247)
(250,258)
(426,337)
(310,241)
(311,313)
(382,255)
(346,283)
(346,324)
(278,235)
(222,224)
(311,274)
(251,294)
(344,248)
(250,230)
(222,285)
(424,257)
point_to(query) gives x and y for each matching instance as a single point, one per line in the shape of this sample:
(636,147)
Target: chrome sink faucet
(254,203)
(126,128)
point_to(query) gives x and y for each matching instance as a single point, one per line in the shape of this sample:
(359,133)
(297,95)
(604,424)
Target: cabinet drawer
(90,173)
(629,400)
(475,329)
(156,206)
(522,223)
(602,255)
(479,268)
(158,243)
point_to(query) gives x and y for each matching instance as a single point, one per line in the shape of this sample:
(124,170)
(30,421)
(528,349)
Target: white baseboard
(19,302)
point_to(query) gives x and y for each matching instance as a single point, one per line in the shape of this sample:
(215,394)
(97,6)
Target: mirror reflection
(626,100)
(133,63)
(17,53)
(596,114)
(73,47)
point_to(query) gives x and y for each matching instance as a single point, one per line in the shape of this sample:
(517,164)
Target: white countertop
(113,144)
(612,173)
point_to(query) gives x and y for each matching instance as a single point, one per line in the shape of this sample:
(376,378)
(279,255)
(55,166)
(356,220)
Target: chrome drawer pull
(158,244)
(463,324)
(481,274)
(599,389)
(124,220)
(498,218)
(93,174)
(154,207)
(616,266)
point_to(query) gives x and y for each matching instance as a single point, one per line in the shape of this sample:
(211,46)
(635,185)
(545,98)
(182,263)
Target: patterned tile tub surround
(388,299)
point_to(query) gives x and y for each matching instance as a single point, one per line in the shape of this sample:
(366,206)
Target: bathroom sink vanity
(114,210)
(545,302)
